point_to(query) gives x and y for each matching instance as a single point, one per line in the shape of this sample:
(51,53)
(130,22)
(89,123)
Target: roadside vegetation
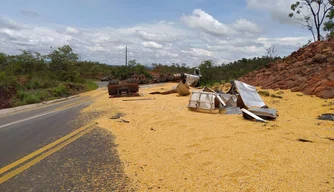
(31,77)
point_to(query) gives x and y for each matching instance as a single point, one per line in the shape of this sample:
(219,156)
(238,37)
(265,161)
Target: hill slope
(309,70)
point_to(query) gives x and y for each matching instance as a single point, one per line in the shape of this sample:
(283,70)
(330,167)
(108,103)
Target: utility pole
(126,55)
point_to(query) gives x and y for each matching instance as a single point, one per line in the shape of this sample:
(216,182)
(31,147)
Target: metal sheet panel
(193,101)
(207,101)
(250,114)
(202,100)
(233,110)
(264,112)
(249,95)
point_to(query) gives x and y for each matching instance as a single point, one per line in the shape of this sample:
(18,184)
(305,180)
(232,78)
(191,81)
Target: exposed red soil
(309,70)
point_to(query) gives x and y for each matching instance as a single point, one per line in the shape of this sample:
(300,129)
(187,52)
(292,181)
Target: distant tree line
(33,77)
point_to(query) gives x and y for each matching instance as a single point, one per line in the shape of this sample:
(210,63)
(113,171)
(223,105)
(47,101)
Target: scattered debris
(204,100)
(251,116)
(232,110)
(193,80)
(305,140)
(240,99)
(264,113)
(276,96)
(264,93)
(331,103)
(327,116)
(164,92)
(329,138)
(123,121)
(117,116)
(182,88)
(139,99)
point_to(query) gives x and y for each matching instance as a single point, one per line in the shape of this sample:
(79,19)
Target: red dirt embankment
(309,70)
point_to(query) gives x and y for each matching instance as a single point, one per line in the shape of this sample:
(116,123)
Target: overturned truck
(127,88)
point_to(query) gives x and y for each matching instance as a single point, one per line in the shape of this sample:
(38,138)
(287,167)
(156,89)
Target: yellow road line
(41,150)
(43,156)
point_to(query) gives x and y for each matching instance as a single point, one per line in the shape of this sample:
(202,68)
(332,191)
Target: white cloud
(203,52)
(10,24)
(286,41)
(246,26)
(72,30)
(151,44)
(205,22)
(278,9)
(208,24)
(160,37)
(158,42)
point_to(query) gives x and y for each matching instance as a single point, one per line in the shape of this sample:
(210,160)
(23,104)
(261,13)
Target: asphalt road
(52,148)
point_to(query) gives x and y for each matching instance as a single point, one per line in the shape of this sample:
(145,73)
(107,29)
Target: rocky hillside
(309,70)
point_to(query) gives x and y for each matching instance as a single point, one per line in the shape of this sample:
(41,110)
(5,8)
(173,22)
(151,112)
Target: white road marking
(36,116)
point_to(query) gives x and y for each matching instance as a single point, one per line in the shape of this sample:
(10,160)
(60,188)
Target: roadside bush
(43,95)
(37,81)
(27,97)
(60,91)
(90,85)
(21,94)
(31,98)
(7,80)
(79,80)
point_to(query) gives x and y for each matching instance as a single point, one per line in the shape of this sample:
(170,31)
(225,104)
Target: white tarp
(249,95)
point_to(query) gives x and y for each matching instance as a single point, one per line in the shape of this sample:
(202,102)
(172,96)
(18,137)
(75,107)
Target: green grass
(27,95)
(90,85)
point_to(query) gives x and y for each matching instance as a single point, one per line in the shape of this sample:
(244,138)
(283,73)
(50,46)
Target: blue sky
(183,31)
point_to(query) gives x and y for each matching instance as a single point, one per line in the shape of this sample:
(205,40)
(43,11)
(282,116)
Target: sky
(155,31)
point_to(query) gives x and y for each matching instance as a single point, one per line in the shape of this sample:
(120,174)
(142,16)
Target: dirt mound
(309,70)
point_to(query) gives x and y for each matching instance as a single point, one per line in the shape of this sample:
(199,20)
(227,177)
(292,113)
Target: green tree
(313,18)
(207,71)
(329,25)
(132,63)
(3,61)
(62,59)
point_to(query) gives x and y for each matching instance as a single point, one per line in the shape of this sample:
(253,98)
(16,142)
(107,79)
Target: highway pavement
(58,148)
